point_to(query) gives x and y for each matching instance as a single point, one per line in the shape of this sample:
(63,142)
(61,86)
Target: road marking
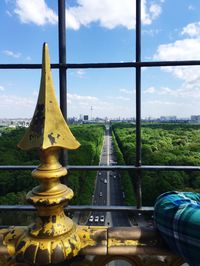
(108,219)
(108,149)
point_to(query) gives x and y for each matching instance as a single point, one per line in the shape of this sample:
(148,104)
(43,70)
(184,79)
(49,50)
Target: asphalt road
(108,189)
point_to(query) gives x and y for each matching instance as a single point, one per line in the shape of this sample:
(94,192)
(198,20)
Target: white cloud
(159,107)
(166,90)
(150,90)
(81,98)
(190,7)
(79,104)
(2,88)
(35,93)
(159,102)
(13,100)
(184,92)
(80,73)
(155,11)
(192,29)
(121,98)
(185,49)
(151,32)
(71,21)
(110,13)
(80,101)
(125,91)
(15,55)
(13,106)
(35,11)
(11,53)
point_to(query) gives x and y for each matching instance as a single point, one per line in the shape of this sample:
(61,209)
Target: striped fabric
(177,217)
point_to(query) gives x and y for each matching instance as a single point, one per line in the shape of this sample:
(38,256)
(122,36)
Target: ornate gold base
(41,251)
(138,246)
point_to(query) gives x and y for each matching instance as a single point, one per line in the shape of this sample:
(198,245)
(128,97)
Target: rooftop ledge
(111,242)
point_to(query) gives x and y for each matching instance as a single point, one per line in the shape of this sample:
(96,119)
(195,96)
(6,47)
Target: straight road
(108,189)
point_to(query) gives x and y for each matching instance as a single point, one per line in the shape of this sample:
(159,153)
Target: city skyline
(103,31)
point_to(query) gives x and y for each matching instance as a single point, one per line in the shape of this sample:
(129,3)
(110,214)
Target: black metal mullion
(28,208)
(138,103)
(62,68)
(187,168)
(104,65)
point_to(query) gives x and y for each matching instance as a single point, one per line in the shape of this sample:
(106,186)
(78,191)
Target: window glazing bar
(104,65)
(108,168)
(7,208)
(138,103)
(62,70)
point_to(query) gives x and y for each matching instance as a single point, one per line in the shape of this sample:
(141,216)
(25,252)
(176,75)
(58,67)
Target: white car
(91,219)
(105,181)
(102,219)
(96,219)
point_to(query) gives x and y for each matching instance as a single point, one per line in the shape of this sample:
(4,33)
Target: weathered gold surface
(48,127)
(138,246)
(53,237)
(93,239)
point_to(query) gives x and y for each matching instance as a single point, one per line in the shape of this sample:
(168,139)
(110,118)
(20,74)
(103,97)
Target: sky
(103,31)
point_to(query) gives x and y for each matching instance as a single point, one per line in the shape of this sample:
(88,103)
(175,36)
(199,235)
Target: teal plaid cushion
(177,217)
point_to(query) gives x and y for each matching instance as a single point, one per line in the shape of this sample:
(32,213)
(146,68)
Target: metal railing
(63,66)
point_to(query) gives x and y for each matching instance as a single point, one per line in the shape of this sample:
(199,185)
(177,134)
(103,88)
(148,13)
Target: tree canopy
(162,144)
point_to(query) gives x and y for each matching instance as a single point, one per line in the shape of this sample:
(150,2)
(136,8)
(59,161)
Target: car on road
(99,173)
(105,181)
(113,162)
(96,219)
(100,194)
(91,219)
(102,219)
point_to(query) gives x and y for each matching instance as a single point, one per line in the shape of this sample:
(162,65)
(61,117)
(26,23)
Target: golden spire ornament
(53,237)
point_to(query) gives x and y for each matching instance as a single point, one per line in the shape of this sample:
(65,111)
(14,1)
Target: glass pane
(19,91)
(170,129)
(106,93)
(171,35)
(100,31)
(24,32)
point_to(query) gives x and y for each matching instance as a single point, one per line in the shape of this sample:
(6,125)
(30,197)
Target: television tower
(91,109)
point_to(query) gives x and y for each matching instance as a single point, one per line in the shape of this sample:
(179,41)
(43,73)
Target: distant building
(168,118)
(85,118)
(195,118)
(15,122)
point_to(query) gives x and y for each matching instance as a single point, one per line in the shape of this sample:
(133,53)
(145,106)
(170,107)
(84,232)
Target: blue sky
(103,31)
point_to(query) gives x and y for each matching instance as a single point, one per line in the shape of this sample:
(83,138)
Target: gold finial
(53,237)
(48,127)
